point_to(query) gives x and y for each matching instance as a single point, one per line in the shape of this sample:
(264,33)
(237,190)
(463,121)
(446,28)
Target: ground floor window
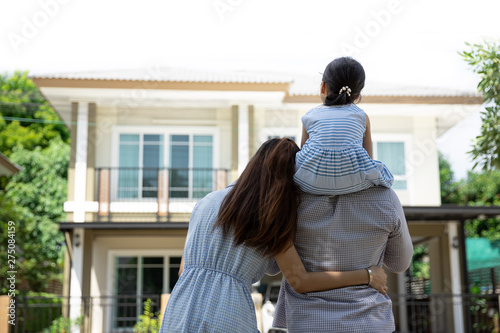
(138,278)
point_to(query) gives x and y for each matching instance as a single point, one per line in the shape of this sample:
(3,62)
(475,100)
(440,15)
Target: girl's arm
(367,139)
(305,136)
(301,281)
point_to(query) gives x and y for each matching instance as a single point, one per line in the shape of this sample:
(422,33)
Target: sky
(412,42)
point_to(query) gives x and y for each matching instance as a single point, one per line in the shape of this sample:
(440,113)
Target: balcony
(153,194)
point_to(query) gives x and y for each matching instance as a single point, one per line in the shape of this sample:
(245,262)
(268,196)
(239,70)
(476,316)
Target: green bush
(148,321)
(63,325)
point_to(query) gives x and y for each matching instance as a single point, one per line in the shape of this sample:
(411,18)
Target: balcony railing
(119,190)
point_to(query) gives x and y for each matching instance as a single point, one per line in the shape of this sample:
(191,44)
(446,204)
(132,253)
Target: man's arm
(399,249)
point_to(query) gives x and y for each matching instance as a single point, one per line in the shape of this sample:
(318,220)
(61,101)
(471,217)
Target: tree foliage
(33,137)
(477,189)
(485,61)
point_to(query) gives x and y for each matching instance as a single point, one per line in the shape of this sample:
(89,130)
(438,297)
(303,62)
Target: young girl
(232,238)
(336,154)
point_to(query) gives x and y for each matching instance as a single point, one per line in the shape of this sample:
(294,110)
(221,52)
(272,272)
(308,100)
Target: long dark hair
(261,208)
(343,72)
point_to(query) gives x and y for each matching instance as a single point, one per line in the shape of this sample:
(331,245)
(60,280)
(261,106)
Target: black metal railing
(438,312)
(101,314)
(154,185)
(412,313)
(486,279)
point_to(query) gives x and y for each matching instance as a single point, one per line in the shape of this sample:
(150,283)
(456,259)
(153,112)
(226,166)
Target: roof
(298,84)
(7,168)
(307,85)
(173,74)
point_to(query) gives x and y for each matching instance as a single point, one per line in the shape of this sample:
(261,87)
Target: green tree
(34,200)
(27,120)
(485,61)
(33,137)
(446,178)
(480,189)
(477,189)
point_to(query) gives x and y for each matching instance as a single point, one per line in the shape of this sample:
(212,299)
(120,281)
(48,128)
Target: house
(146,145)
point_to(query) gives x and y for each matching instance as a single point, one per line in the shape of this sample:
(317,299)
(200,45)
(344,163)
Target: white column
(81,161)
(76,277)
(456,281)
(243,136)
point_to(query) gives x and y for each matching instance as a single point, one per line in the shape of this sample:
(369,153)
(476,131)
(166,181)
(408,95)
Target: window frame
(113,254)
(406,139)
(166,131)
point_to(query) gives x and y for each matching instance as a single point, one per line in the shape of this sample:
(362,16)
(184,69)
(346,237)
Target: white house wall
(417,123)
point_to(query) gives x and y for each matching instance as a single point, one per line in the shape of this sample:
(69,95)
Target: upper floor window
(140,157)
(191,162)
(144,157)
(392,154)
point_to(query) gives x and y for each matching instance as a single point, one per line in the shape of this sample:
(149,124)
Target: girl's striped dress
(333,160)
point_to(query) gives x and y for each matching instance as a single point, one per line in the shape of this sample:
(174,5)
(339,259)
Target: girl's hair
(343,72)
(261,208)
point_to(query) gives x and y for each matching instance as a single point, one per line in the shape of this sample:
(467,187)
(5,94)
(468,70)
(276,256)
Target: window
(189,158)
(140,157)
(392,154)
(138,278)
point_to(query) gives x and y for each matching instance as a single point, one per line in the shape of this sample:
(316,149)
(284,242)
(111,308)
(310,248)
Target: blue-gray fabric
(213,292)
(333,160)
(344,233)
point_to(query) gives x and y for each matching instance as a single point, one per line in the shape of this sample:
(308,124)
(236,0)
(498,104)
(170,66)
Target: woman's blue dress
(213,292)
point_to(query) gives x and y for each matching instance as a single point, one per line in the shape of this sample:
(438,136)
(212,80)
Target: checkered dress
(344,233)
(213,292)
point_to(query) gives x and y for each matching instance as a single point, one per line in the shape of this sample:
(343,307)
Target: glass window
(138,177)
(179,166)
(392,154)
(137,279)
(191,174)
(202,165)
(128,175)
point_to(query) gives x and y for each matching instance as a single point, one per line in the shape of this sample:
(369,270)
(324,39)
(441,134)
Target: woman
(233,236)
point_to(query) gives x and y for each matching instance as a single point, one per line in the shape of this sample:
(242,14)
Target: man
(342,233)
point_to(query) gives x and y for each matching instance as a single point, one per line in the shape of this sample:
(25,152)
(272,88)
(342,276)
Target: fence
(150,190)
(98,314)
(486,279)
(413,313)
(445,313)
